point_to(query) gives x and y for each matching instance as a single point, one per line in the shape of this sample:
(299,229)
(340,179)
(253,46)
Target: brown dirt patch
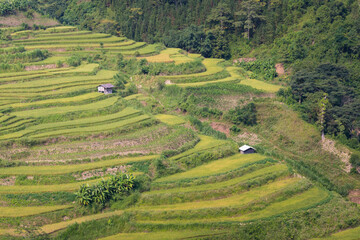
(354,196)
(57,49)
(221,127)
(9,181)
(19,18)
(40,67)
(280,70)
(341,152)
(239,60)
(100,173)
(247,137)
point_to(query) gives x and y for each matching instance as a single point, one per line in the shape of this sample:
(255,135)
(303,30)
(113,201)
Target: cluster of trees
(105,190)
(8,7)
(326,96)
(245,115)
(22,57)
(260,69)
(225,28)
(12,50)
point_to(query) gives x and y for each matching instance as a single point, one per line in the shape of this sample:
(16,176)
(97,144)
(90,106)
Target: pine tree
(249,12)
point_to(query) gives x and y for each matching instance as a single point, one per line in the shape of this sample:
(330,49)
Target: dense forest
(317,41)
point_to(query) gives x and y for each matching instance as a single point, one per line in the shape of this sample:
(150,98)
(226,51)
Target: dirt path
(354,196)
(344,154)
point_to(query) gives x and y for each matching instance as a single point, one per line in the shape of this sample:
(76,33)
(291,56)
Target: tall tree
(220,17)
(323,106)
(249,13)
(220,22)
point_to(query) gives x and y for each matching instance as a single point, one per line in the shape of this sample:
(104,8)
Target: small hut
(106,88)
(247,149)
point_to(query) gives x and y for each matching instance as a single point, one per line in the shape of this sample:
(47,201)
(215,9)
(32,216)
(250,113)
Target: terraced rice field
(216,167)
(170,55)
(28,211)
(205,143)
(69,187)
(170,119)
(58,133)
(53,170)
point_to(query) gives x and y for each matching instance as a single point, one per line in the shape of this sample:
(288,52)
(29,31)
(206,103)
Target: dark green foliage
(355,162)
(261,69)
(8,7)
(245,115)
(104,190)
(235,129)
(120,80)
(6,163)
(12,50)
(74,60)
(123,202)
(17,55)
(205,128)
(342,116)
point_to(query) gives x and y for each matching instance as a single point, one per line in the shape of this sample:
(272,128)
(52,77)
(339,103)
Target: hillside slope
(175,122)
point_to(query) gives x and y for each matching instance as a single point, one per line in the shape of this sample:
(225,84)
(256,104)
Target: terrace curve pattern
(86,136)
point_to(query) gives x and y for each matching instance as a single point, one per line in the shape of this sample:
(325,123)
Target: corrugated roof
(107,85)
(245,148)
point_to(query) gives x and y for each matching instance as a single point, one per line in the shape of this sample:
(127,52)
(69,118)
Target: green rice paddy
(63,169)
(28,211)
(42,112)
(51,104)
(215,167)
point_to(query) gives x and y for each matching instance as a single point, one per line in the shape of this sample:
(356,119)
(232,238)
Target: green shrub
(105,190)
(74,60)
(246,115)
(355,160)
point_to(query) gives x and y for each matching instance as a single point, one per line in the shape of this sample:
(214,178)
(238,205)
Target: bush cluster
(261,69)
(105,190)
(245,115)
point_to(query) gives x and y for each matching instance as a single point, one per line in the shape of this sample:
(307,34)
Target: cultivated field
(57,133)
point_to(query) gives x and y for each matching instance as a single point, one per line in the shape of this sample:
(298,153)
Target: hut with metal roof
(106,88)
(246,149)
